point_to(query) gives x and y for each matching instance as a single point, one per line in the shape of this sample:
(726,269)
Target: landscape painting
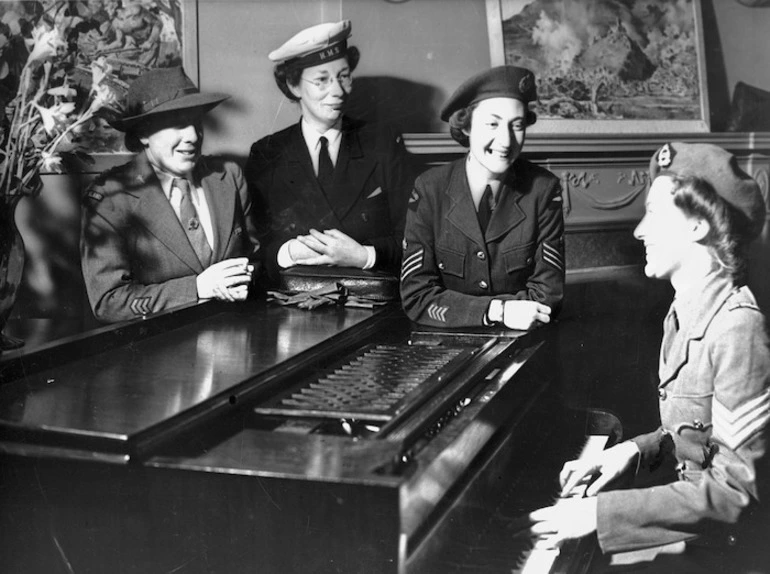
(607,65)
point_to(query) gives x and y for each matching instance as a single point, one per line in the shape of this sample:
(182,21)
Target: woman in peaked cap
(710,513)
(483,243)
(332,190)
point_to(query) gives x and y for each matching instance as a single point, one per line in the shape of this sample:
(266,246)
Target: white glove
(524,315)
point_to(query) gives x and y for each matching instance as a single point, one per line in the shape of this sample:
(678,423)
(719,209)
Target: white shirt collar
(477,181)
(311,137)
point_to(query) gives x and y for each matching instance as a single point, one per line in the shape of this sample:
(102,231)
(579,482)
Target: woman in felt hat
(483,243)
(702,210)
(331,190)
(169,227)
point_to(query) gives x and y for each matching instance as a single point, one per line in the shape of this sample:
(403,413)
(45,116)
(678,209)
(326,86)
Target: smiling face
(173,143)
(323,91)
(667,232)
(497,133)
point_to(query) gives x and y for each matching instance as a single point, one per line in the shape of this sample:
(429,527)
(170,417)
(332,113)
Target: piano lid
(145,386)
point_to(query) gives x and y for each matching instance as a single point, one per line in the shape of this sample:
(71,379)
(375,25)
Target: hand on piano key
(595,471)
(569,518)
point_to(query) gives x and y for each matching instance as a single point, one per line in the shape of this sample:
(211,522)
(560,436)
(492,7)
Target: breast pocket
(519,257)
(450,262)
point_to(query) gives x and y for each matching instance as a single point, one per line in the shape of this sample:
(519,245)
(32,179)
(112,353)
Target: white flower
(55,116)
(46,43)
(100,69)
(63,91)
(50,161)
(104,96)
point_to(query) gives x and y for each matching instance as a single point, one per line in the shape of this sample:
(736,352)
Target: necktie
(325,166)
(486,205)
(670,329)
(188,217)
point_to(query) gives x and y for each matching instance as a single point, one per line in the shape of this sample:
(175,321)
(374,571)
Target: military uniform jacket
(451,271)
(714,398)
(367,200)
(135,255)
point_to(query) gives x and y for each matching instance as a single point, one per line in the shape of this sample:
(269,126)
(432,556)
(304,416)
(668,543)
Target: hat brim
(204,101)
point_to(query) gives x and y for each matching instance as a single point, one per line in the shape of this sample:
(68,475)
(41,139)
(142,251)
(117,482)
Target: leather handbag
(372,285)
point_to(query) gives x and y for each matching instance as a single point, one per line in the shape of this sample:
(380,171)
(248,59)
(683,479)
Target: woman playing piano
(483,243)
(714,390)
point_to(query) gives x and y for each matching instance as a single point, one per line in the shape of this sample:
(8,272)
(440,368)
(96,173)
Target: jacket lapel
(350,174)
(221,206)
(507,214)
(716,295)
(154,213)
(462,213)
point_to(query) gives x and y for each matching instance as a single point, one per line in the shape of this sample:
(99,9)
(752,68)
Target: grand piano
(266,439)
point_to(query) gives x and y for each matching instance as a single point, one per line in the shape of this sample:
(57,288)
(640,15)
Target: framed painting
(131,37)
(607,67)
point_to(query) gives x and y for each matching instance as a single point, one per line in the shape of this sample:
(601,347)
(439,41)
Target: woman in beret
(331,190)
(483,243)
(703,515)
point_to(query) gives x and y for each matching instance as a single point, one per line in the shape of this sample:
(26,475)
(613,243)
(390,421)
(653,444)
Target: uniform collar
(311,135)
(697,303)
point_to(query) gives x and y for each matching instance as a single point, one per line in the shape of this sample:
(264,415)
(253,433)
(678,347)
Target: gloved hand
(524,315)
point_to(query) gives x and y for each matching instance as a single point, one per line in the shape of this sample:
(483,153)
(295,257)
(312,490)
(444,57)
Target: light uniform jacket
(451,271)
(714,398)
(136,257)
(367,200)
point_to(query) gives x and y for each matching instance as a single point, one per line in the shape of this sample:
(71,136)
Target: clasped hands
(331,247)
(227,280)
(577,517)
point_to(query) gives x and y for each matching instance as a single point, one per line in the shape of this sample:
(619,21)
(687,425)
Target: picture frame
(606,67)
(132,37)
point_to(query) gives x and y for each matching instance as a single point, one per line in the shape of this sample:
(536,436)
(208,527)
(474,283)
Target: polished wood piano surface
(253,438)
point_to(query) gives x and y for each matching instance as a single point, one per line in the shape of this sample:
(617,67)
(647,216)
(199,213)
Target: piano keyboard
(541,560)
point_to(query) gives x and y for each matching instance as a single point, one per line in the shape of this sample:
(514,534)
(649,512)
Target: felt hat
(500,82)
(718,168)
(162,90)
(314,45)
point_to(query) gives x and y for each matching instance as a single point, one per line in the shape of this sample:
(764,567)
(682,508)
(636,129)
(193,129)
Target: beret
(500,82)
(314,45)
(718,168)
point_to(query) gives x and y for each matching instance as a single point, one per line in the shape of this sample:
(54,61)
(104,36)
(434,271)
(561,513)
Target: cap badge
(666,155)
(525,84)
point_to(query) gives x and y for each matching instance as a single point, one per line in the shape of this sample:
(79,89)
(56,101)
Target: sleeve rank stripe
(407,271)
(414,257)
(734,427)
(437,313)
(548,259)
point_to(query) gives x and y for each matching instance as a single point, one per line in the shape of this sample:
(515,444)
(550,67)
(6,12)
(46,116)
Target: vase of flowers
(56,99)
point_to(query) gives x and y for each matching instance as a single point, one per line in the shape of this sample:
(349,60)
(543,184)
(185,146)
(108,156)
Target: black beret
(499,82)
(720,169)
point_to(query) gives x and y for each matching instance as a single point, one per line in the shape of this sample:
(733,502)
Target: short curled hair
(287,74)
(460,122)
(727,239)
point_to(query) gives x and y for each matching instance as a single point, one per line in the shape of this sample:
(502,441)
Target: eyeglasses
(324,83)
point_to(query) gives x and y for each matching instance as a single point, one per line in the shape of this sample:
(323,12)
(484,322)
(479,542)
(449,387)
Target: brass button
(365,217)
(441,265)
(731,540)
(662,394)
(698,424)
(483,284)
(481,255)
(529,260)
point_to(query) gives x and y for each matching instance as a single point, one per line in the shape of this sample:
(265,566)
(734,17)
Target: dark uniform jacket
(451,271)
(714,398)
(367,201)
(136,257)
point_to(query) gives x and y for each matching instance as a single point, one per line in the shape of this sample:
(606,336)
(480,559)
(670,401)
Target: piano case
(374,285)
